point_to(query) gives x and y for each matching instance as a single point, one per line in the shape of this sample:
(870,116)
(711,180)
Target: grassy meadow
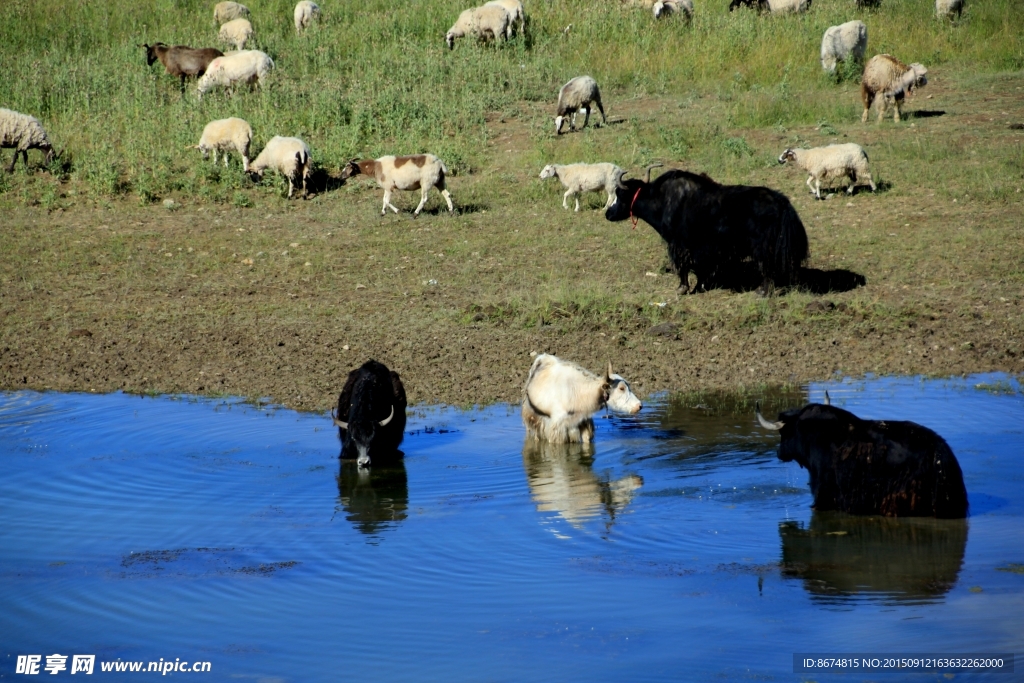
(237,290)
(376,78)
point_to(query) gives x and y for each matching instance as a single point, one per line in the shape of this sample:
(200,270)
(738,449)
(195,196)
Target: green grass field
(376,78)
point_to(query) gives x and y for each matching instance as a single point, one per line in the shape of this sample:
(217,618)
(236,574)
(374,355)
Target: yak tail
(791,247)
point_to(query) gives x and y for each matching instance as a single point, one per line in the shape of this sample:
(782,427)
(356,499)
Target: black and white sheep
(227,135)
(579,93)
(236,32)
(664,8)
(843,42)
(247,66)
(413,172)
(560,398)
(577,178)
(889,80)
(831,163)
(490,22)
(181,60)
(288,156)
(306,14)
(224,12)
(21,133)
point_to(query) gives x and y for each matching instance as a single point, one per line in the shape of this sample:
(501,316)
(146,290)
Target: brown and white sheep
(413,172)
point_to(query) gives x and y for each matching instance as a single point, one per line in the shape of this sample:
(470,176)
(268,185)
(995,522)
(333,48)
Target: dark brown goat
(182,60)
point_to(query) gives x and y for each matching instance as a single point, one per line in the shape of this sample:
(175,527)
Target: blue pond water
(679,549)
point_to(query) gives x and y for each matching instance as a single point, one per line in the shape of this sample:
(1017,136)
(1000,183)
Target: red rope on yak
(631,216)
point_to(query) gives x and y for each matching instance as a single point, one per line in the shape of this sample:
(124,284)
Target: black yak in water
(871,467)
(371,415)
(713,229)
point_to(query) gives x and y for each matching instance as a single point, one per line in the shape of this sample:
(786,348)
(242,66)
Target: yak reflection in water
(562,480)
(374,498)
(892,560)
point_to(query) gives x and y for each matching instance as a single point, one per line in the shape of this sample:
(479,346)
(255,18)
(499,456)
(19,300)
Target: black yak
(372,404)
(871,467)
(712,229)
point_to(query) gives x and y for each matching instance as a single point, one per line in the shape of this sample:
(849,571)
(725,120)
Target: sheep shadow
(925,113)
(320,181)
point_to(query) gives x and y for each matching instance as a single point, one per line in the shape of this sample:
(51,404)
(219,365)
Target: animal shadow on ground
(744,277)
(925,113)
(320,181)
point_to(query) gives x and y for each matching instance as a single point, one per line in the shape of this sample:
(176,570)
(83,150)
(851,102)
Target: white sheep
(560,397)
(892,79)
(22,133)
(306,14)
(413,172)
(843,42)
(490,22)
(247,66)
(949,9)
(288,156)
(226,135)
(236,32)
(224,12)
(516,14)
(663,8)
(786,6)
(579,93)
(827,164)
(577,178)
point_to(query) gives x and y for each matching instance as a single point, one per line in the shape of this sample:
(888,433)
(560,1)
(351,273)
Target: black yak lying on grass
(713,229)
(871,467)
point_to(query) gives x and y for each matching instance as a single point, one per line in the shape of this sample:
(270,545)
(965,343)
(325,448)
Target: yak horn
(384,423)
(774,426)
(337,422)
(828,401)
(655,165)
(618,181)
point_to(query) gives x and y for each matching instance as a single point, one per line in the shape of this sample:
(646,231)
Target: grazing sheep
(774,6)
(182,60)
(585,178)
(843,42)
(247,66)
(224,12)
(577,94)
(414,172)
(892,79)
(560,397)
(949,9)
(664,8)
(306,14)
(516,13)
(288,156)
(226,135)
(21,133)
(236,32)
(489,22)
(826,164)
